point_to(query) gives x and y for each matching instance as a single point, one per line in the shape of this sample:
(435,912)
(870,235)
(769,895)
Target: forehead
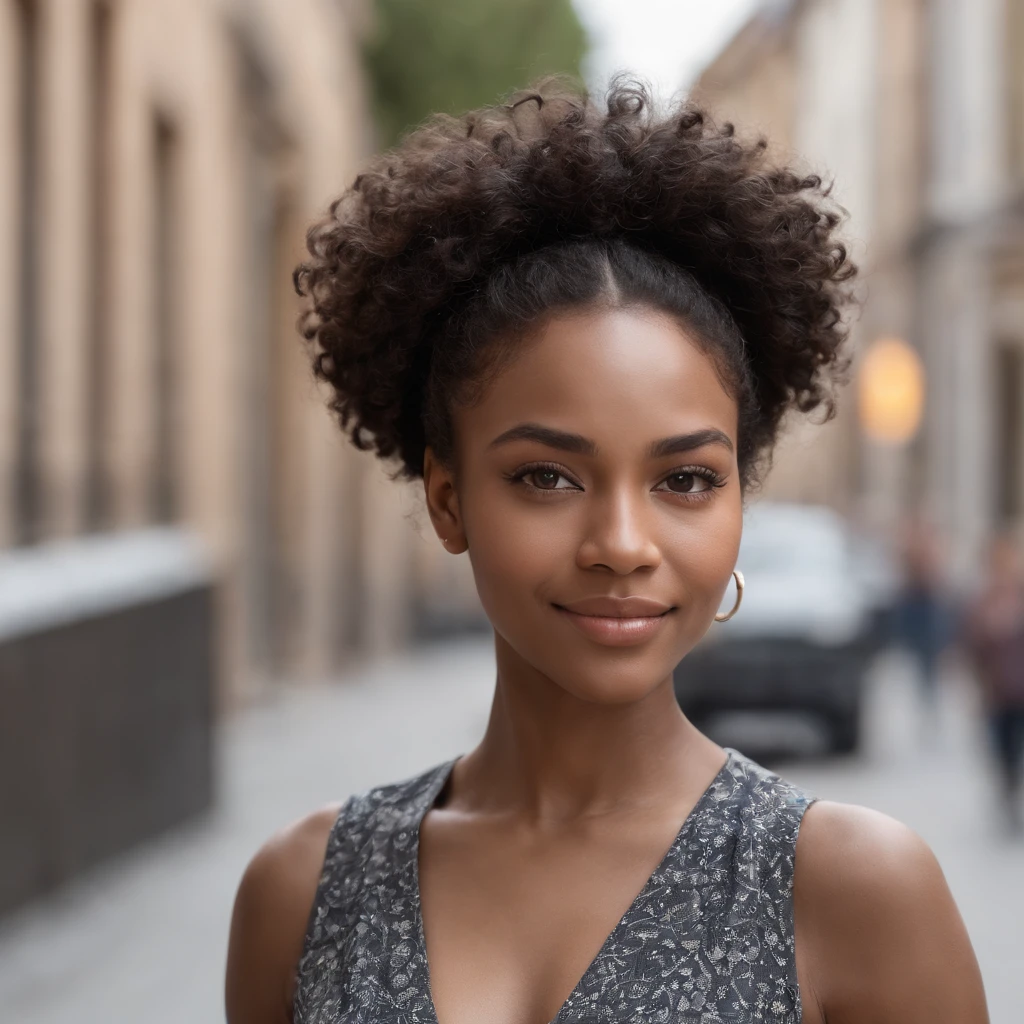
(607,374)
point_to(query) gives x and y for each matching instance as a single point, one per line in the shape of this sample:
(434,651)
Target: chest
(513,921)
(694,947)
(509,934)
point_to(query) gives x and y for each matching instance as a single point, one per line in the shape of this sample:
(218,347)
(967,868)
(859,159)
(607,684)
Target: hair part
(520,297)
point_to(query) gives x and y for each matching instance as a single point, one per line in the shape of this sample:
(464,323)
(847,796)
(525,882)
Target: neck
(550,755)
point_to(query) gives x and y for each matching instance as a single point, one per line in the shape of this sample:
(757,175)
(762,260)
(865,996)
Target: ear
(443,503)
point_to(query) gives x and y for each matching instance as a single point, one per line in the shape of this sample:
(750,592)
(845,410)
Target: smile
(616,629)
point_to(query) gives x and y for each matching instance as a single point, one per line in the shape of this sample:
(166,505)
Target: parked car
(804,634)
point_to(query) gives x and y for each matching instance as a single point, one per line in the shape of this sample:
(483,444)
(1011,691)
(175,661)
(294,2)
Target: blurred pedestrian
(922,615)
(994,638)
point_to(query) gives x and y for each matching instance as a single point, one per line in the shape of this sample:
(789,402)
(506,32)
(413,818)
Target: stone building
(970,262)
(916,108)
(159,160)
(773,79)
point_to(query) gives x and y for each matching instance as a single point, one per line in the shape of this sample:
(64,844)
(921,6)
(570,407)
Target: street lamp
(891,392)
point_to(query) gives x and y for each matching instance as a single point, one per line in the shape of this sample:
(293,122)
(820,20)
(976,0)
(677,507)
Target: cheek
(516,549)
(704,549)
(698,556)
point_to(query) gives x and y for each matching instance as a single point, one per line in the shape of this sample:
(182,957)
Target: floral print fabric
(708,940)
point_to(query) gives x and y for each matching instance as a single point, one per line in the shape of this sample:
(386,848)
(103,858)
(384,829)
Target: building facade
(915,109)
(159,161)
(971,268)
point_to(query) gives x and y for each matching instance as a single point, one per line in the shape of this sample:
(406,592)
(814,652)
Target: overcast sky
(666,41)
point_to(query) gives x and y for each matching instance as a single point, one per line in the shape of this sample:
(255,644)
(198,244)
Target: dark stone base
(105,737)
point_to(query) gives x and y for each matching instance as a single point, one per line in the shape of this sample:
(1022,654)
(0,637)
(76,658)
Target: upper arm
(878,933)
(268,925)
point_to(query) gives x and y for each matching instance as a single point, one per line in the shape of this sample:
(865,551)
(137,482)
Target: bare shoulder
(878,933)
(268,925)
(842,845)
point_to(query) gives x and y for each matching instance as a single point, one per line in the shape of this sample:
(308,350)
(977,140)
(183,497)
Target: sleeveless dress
(708,940)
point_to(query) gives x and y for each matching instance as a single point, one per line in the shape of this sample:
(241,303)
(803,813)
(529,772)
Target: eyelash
(715,480)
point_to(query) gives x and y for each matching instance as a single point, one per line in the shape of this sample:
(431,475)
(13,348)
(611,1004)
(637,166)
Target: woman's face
(598,494)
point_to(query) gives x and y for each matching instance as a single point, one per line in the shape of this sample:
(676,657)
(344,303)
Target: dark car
(803,637)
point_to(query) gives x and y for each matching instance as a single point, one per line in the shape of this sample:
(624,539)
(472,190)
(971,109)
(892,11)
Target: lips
(616,621)
(616,607)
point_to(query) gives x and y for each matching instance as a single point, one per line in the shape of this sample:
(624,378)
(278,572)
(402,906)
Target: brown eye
(685,483)
(545,479)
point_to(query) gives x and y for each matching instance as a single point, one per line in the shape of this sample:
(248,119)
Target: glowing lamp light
(891,391)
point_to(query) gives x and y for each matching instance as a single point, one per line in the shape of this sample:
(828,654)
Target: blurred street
(144,938)
(217,614)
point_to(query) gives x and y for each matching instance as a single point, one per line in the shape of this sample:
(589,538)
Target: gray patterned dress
(709,939)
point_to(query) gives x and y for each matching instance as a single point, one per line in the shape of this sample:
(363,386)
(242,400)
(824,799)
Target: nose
(620,535)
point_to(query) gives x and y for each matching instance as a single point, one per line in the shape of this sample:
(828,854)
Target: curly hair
(452,246)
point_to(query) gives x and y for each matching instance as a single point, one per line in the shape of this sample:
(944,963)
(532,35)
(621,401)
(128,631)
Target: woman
(995,644)
(582,329)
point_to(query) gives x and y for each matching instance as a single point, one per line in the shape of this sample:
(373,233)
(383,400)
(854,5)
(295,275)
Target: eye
(696,480)
(686,483)
(547,480)
(542,477)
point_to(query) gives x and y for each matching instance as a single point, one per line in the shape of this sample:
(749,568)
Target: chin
(617,692)
(608,676)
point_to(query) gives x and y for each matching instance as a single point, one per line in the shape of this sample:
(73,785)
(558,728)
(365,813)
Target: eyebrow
(687,442)
(547,436)
(565,441)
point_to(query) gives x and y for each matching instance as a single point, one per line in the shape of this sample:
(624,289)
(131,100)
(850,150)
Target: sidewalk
(143,940)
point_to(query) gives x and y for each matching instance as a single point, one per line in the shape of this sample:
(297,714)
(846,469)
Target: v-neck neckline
(427,799)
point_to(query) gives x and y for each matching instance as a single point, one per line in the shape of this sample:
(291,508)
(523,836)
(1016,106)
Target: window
(164,500)
(1015,90)
(272,477)
(27,484)
(97,365)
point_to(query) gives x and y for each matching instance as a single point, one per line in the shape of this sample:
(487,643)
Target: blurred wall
(916,108)
(159,161)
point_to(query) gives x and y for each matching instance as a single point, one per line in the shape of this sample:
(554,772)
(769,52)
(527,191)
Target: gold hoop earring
(738,577)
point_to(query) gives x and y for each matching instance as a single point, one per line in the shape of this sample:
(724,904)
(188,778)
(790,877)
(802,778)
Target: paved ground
(144,939)
(936,778)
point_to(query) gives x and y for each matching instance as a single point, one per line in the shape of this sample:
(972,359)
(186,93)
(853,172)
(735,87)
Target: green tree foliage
(453,55)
